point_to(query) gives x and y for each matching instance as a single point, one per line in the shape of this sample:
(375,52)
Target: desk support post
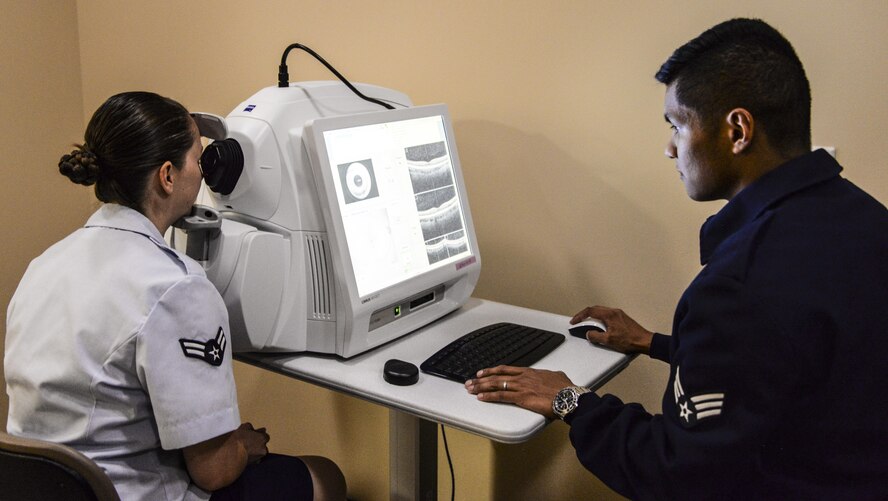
(413,457)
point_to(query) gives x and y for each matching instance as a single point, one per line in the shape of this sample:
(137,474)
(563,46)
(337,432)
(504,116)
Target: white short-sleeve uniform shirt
(117,345)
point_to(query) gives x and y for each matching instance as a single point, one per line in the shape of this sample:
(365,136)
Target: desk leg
(413,458)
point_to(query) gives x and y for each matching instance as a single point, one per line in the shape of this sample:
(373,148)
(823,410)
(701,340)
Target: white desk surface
(441,400)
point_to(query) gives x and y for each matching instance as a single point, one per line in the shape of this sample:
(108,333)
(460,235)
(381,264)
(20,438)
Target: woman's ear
(166,177)
(741,127)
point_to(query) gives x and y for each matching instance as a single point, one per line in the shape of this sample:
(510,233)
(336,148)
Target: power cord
(284,76)
(450,463)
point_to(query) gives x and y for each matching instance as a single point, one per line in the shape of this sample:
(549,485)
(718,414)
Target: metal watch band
(566,400)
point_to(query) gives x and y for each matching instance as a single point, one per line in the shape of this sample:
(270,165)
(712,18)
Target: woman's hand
(217,462)
(255,442)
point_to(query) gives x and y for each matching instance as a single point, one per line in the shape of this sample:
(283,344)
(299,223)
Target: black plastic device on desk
(497,344)
(400,372)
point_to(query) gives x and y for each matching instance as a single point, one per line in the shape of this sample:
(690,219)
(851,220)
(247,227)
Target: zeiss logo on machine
(249,108)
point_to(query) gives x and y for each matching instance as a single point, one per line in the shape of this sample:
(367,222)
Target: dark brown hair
(128,137)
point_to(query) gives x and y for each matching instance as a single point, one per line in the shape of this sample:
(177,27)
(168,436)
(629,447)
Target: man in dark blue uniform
(777,353)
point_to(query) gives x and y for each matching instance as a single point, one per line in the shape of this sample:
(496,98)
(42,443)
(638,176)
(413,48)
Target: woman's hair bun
(80,166)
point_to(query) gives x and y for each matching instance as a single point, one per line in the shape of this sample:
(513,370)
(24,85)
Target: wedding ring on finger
(505,385)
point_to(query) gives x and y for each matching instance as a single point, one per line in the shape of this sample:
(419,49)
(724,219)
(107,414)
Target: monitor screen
(398,195)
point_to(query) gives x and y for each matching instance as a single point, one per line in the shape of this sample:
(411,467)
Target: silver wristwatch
(566,400)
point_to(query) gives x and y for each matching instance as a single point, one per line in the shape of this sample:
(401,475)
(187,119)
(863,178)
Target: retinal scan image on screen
(358,179)
(400,206)
(436,201)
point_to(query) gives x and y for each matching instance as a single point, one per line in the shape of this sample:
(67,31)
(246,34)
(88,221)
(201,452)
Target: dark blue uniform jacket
(779,366)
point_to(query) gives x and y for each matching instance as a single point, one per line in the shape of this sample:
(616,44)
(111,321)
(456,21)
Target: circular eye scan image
(357,177)
(358,181)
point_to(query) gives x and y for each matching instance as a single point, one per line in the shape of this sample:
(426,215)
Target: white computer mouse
(590,324)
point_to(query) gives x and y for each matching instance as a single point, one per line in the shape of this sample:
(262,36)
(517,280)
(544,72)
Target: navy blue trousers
(276,477)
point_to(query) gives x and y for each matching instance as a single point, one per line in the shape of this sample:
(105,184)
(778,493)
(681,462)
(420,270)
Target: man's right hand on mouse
(623,333)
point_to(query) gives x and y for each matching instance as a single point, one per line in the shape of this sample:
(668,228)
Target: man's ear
(165,177)
(741,128)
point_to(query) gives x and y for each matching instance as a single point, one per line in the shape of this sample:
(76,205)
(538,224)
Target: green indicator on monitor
(397,311)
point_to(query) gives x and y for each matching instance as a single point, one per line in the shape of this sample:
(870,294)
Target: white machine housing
(281,273)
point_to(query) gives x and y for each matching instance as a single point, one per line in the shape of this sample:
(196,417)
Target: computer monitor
(347,226)
(394,201)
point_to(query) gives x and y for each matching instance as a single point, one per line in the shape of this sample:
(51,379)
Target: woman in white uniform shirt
(117,345)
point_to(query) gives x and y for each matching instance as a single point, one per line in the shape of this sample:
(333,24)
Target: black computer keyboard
(497,344)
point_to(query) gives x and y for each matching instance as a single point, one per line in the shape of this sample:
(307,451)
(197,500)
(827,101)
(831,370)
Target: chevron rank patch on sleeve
(211,352)
(692,409)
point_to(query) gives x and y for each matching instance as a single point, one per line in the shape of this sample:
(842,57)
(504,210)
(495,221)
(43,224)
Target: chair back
(33,469)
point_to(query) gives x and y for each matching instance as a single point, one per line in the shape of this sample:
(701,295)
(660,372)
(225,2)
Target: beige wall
(41,115)
(560,130)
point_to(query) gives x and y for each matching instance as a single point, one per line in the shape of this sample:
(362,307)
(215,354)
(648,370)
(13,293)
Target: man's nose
(670,150)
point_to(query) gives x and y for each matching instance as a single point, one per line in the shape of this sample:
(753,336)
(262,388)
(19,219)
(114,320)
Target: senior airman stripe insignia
(693,409)
(211,352)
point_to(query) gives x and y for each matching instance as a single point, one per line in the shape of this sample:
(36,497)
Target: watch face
(564,402)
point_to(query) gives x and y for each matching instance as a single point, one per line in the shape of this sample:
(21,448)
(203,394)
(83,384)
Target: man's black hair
(744,63)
